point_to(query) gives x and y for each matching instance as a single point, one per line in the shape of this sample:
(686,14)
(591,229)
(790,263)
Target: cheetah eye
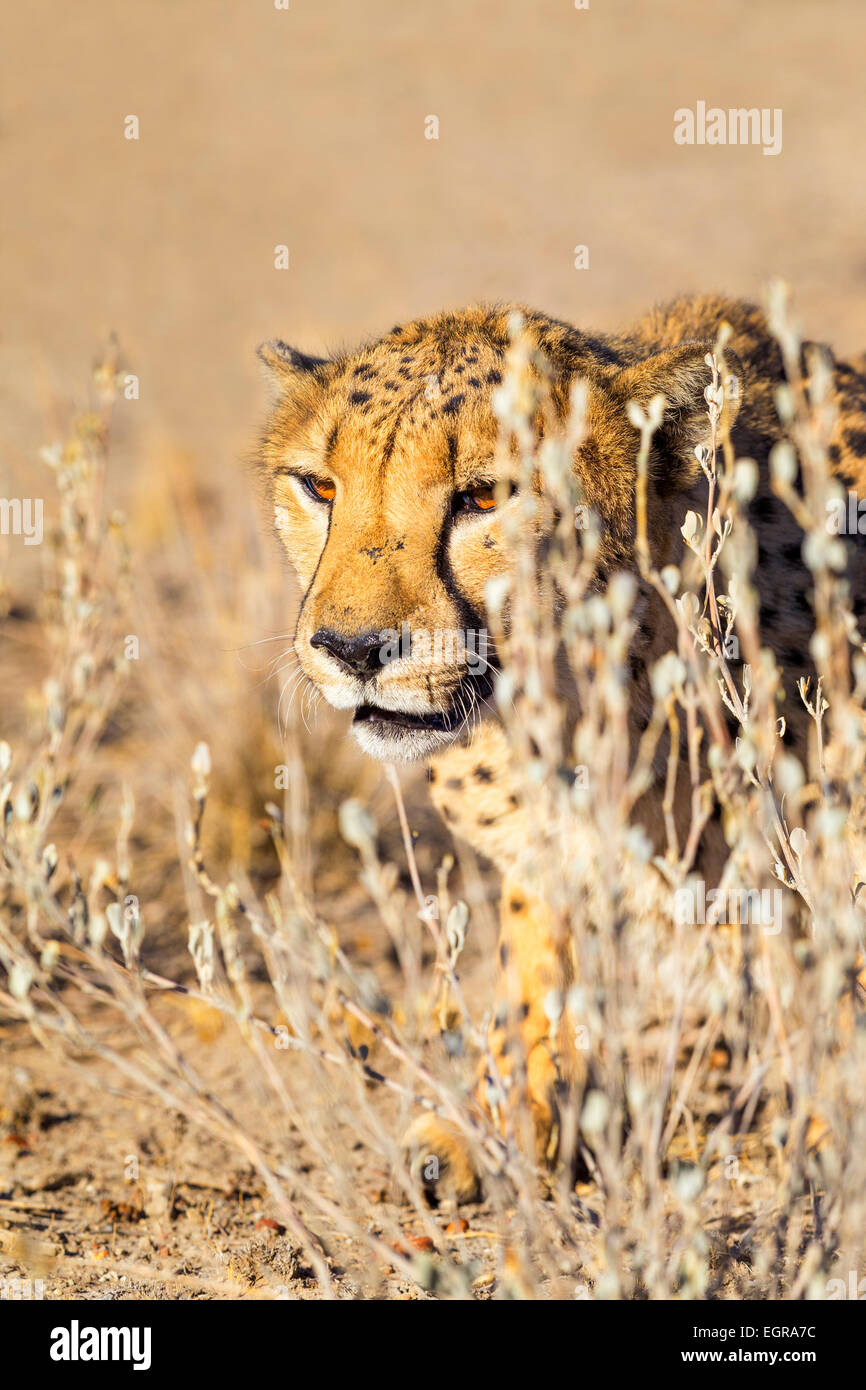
(480,497)
(323,489)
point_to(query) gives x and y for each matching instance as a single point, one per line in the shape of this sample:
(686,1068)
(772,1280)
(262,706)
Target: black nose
(361,653)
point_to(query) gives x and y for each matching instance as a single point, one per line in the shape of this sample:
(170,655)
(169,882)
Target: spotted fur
(405,425)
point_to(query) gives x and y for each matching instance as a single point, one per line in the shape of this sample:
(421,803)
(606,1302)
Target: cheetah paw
(440,1161)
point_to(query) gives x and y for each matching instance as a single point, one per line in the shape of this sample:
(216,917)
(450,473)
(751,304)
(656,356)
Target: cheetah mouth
(396,735)
(394,720)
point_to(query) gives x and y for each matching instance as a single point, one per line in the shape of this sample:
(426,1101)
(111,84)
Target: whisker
(309,693)
(294,681)
(269,675)
(288,652)
(280,637)
(262,641)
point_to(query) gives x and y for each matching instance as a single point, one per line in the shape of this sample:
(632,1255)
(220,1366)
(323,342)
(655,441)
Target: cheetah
(380,467)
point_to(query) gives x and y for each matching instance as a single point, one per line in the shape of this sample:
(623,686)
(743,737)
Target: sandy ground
(102,1197)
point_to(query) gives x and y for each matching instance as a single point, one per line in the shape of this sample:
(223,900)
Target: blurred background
(305,127)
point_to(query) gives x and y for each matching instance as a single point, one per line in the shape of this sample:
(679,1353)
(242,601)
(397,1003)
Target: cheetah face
(385,496)
(392,501)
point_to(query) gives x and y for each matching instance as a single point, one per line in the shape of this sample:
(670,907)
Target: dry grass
(331,994)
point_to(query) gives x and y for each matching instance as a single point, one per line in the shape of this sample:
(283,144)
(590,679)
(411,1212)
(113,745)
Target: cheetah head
(381,472)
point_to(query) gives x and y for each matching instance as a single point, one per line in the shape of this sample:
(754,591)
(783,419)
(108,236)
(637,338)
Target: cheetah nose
(360,654)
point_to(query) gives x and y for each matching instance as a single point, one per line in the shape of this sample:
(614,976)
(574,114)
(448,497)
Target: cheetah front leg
(532,1056)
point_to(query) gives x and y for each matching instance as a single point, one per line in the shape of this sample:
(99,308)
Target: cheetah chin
(394,736)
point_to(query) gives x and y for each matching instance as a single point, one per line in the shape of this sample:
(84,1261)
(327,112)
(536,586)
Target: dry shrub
(721,1124)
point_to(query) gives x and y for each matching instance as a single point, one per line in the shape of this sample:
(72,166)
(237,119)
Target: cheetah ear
(681,375)
(287,365)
